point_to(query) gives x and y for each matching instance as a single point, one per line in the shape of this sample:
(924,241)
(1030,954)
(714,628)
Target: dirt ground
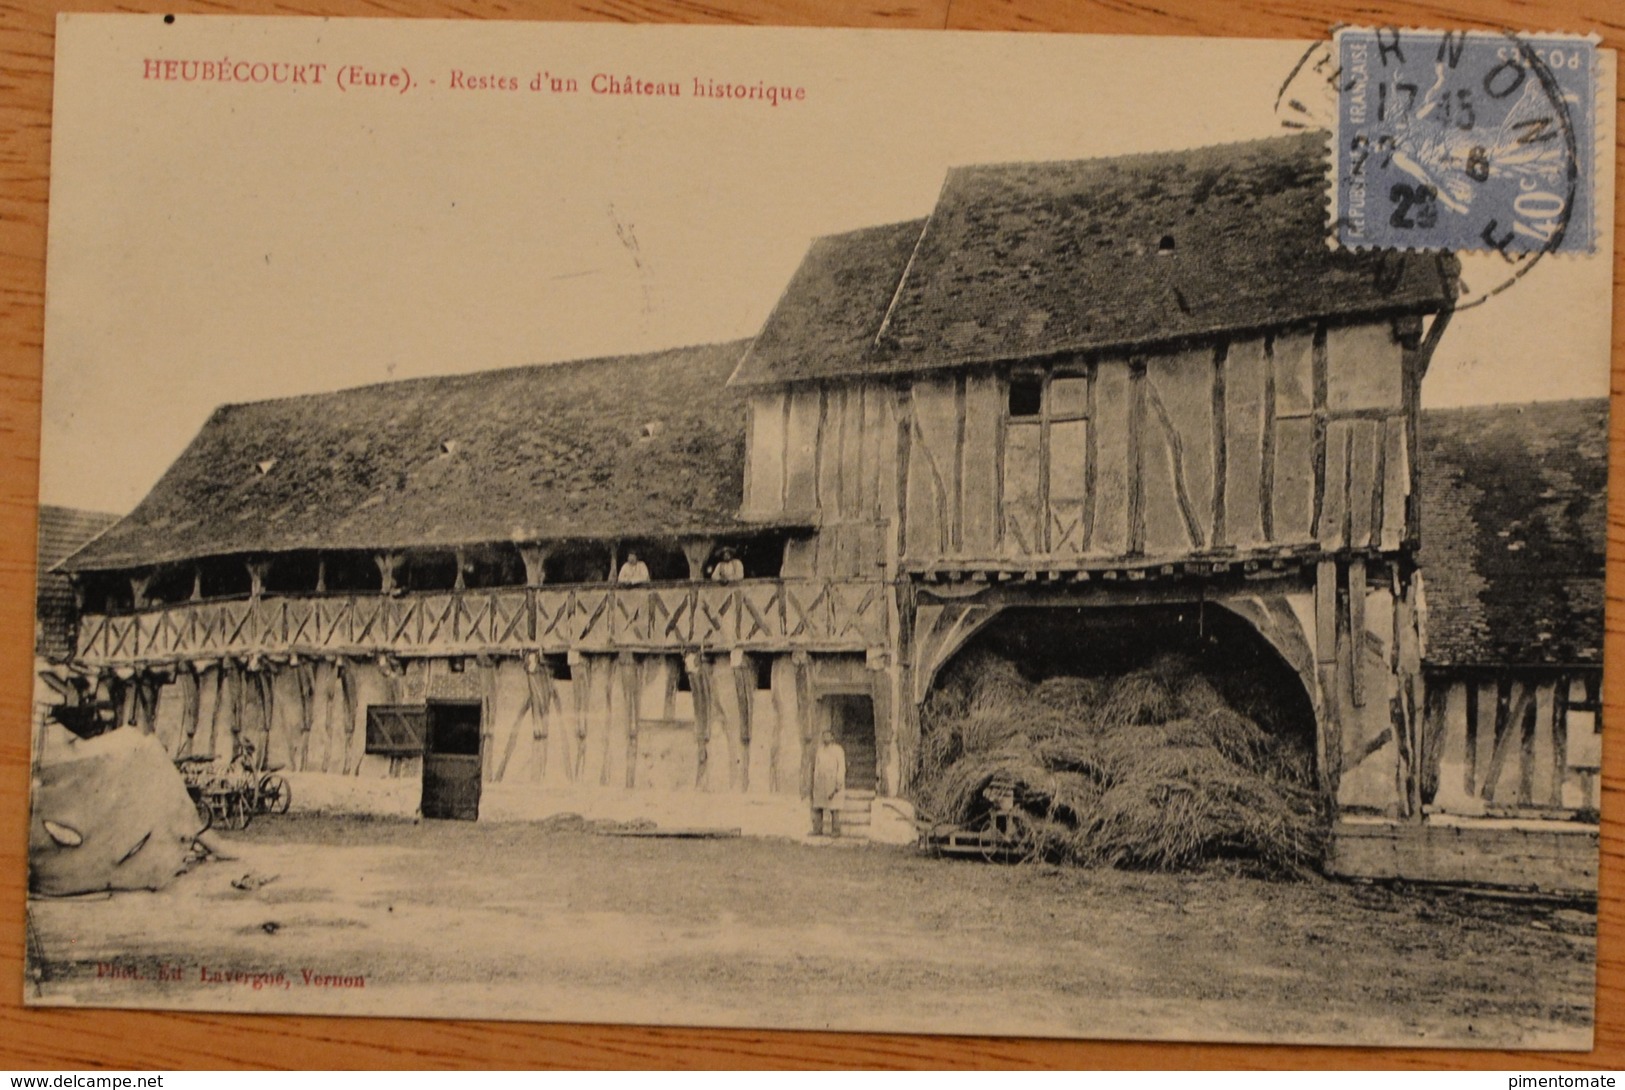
(526,921)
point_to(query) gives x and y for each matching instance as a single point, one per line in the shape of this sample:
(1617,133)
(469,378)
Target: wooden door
(451,765)
(852,717)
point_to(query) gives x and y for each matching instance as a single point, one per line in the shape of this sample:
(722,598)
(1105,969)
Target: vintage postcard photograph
(962,533)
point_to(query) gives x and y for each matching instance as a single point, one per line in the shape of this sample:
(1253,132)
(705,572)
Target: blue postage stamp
(1465,141)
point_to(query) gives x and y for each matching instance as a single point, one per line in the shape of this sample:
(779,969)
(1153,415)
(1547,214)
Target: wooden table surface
(63,1038)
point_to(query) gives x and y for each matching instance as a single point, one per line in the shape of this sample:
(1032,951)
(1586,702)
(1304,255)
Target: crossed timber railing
(760,614)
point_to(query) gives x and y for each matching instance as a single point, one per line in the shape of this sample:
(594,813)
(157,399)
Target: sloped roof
(833,305)
(1027,260)
(624,446)
(1514,509)
(61,531)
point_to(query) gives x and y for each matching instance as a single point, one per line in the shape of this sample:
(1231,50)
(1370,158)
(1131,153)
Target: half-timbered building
(1139,389)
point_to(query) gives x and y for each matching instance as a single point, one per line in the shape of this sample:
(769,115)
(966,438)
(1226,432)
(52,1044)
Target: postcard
(889,531)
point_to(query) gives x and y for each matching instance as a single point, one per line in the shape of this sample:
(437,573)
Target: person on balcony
(633,572)
(729,569)
(829,785)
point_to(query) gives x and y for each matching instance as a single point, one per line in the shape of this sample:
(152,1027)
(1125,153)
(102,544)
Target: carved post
(460,583)
(697,551)
(535,558)
(257,570)
(321,575)
(388,564)
(197,583)
(138,590)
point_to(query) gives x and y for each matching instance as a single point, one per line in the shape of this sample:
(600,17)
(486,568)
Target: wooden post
(1326,626)
(305,674)
(632,685)
(191,704)
(802,662)
(460,582)
(321,575)
(697,551)
(700,688)
(744,677)
(1357,630)
(535,558)
(197,583)
(138,590)
(388,564)
(257,570)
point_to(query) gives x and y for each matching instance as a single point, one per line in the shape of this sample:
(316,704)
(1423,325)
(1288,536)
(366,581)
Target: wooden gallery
(1076,394)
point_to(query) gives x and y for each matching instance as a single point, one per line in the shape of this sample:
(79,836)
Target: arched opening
(1156,736)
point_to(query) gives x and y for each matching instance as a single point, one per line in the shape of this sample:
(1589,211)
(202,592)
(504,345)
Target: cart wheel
(1009,837)
(232,810)
(1026,846)
(204,814)
(995,836)
(275,794)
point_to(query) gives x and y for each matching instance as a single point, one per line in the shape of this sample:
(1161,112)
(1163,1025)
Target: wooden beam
(1326,614)
(697,550)
(1357,630)
(535,559)
(1136,458)
(388,564)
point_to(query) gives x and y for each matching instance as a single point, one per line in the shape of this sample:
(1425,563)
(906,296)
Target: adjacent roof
(61,531)
(1514,508)
(618,447)
(1028,260)
(833,305)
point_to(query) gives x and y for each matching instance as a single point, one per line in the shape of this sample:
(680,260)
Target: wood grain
(62,1038)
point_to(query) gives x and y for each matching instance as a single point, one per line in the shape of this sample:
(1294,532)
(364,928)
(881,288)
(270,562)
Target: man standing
(829,785)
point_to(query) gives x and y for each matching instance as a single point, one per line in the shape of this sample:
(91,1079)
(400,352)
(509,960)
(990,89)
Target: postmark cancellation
(1469,141)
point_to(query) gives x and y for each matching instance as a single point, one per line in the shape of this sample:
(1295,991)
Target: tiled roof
(61,531)
(1027,260)
(640,445)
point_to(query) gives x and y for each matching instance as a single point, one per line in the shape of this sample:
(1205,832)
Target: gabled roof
(618,447)
(1028,260)
(833,305)
(61,531)
(1514,508)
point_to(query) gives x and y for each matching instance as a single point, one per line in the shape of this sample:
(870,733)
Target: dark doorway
(852,717)
(451,767)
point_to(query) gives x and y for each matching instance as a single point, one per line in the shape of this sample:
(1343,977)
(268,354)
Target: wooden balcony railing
(759,614)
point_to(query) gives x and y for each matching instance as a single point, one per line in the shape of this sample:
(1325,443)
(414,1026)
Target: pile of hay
(1152,769)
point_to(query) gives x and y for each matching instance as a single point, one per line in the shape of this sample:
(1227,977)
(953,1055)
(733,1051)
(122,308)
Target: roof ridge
(1311,135)
(486,373)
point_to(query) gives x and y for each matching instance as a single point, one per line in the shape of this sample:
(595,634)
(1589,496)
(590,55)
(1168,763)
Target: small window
(1026,395)
(685,684)
(558,667)
(764,671)
(396,730)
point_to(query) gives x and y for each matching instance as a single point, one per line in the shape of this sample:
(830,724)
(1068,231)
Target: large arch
(1273,628)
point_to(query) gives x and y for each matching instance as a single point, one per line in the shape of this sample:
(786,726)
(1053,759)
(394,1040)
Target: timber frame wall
(1271,471)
